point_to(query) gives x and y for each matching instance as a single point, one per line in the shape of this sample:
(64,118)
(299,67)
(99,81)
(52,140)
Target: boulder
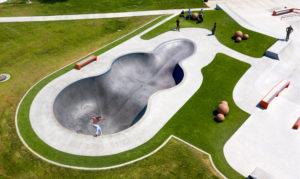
(220,117)
(224,102)
(238,34)
(245,36)
(195,16)
(238,39)
(223,108)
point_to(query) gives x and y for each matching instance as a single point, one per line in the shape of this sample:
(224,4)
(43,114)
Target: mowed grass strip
(255,46)
(194,122)
(174,160)
(64,7)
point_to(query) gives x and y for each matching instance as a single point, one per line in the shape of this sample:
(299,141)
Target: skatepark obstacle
(122,93)
(283,11)
(85,61)
(274,92)
(297,124)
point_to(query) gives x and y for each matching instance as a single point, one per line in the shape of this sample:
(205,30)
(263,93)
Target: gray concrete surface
(122,93)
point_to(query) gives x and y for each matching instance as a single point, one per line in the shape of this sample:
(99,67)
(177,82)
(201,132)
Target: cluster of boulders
(223,110)
(195,15)
(239,36)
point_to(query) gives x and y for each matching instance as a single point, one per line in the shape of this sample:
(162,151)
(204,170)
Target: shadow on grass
(51,1)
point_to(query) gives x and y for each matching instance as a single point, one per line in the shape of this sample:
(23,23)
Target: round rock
(238,34)
(238,39)
(195,15)
(223,109)
(245,36)
(224,102)
(220,117)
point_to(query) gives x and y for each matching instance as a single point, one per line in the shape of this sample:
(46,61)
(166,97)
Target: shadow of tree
(51,1)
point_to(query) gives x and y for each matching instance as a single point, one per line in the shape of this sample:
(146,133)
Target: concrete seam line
(135,160)
(17,110)
(210,158)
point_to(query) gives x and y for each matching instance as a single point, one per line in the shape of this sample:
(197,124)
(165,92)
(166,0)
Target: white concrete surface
(168,101)
(266,140)
(94,16)
(277,48)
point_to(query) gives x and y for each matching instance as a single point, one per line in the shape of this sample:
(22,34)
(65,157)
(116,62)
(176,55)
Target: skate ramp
(121,94)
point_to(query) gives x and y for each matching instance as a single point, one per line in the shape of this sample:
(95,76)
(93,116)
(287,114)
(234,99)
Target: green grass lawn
(255,46)
(178,161)
(29,51)
(194,122)
(60,7)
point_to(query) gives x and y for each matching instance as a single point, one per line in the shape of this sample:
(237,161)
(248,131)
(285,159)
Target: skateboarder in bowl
(96,125)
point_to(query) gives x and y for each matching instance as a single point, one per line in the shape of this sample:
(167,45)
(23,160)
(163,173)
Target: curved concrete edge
(17,110)
(274,51)
(241,20)
(22,100)
(122,141)
(132,161)
(7,78)
(277,48)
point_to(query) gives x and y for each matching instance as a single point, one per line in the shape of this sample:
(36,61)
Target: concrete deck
(266,140)
(169,100)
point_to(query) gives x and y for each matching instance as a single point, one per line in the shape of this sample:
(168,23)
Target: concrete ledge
(260,173)
(276,48)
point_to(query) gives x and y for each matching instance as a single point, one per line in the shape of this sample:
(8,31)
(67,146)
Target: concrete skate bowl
(121,94)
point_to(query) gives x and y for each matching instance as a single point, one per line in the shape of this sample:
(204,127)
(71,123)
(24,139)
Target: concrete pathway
(92,16)
(169,101)
(266,140)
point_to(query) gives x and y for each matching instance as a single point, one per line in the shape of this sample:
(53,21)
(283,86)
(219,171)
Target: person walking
(189,16)
(178,25)
(213,31)
(201,12)
(96,125)
(289,30)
